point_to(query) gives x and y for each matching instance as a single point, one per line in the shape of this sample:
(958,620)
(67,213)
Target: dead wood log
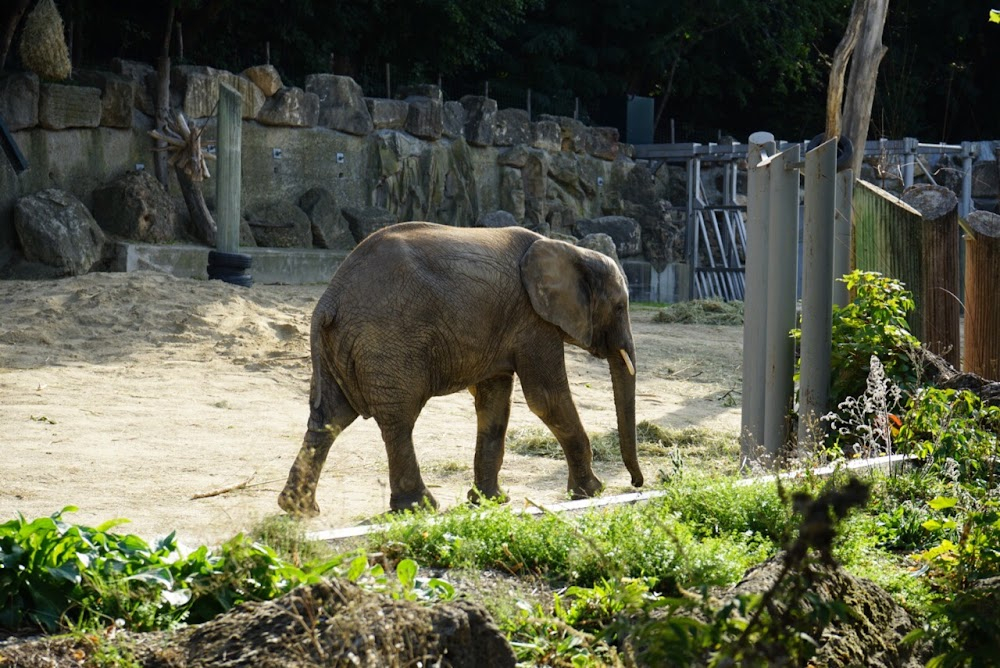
(937,372)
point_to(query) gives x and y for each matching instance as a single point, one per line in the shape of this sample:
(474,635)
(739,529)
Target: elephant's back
(412,295)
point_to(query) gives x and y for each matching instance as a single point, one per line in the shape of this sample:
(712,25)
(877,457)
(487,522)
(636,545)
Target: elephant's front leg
(492,415)
(547,392)
(406,487)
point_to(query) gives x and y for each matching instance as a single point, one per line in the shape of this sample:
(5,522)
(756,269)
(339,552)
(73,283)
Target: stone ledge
(289,266)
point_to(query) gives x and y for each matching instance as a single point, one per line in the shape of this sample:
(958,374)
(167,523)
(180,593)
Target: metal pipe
(761,144)
(781,284)
(820,187)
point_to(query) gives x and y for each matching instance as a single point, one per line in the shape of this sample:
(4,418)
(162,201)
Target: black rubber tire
(234,260)
(845,150)
(243,280)
(225,273)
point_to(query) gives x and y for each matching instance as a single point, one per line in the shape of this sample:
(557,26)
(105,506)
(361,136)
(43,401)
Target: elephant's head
(585,294)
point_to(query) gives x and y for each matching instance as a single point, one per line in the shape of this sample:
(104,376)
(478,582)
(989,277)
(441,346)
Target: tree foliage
(729,66)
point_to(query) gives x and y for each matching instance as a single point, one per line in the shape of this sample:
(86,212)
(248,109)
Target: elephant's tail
(320,321)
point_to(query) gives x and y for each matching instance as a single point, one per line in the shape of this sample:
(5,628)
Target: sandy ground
(128,394)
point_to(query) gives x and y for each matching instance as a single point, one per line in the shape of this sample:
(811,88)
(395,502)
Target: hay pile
(43,45)
(702,312)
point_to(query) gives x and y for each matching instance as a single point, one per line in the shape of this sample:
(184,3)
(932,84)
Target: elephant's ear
(552,274)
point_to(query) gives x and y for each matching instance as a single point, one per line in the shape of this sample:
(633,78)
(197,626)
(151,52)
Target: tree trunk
(163,101)
(849,115)
(982,299)
(201,217)
(9,27)
(938,297)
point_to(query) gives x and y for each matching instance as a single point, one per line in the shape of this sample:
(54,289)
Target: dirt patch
(128,394)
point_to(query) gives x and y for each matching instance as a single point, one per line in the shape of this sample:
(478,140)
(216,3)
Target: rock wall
(417,158)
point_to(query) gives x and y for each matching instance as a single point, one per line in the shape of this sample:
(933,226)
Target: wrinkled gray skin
(421,310)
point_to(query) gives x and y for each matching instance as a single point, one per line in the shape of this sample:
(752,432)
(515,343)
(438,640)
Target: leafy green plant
(53,573)
(956,436)
(873,323)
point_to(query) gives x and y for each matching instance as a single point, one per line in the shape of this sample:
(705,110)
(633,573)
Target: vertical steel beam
(781,282)
(761,145)
(820,187)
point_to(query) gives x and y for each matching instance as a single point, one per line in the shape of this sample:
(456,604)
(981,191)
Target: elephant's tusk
(628,362)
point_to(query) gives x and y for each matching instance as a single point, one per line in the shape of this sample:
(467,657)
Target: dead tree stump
(939,259)
(982,299)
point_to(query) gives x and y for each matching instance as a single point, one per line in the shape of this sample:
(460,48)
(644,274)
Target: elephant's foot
(585,489)
(477,496)
(296,503)
(400,501)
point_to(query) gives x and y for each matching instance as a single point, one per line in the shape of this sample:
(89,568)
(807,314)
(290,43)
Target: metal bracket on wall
(11,150)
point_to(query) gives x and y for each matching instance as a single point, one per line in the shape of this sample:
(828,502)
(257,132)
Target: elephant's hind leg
(492,415)
(406,486)
(326,421)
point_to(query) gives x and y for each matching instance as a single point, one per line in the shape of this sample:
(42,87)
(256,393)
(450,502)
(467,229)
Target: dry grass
(702,312)
(697,447)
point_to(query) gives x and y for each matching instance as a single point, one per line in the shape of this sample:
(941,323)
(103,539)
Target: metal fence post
(760,144)
(820,187)
(781,280)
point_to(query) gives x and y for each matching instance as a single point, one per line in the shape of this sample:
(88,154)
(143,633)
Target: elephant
(419,310)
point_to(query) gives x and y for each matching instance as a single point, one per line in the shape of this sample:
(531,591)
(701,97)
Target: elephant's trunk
(623,381)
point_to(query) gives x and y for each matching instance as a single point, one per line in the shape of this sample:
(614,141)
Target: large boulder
(602,142)
(265,77)
(546,135)
(480,118)
(625,232)
(573,132)
(281,224)
(662,238)
(19,100)
(424,118)
(137,207)
(512,127)
(57,230)
(422,180)
(61,107)
(143,77)
(601,243)
(454,120)
(291,107)
(199,87)
(117,95)
(341,103)
(329,229)
(364,220)
(498,218)
(387,114)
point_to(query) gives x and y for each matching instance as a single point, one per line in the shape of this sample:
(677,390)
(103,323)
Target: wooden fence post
(887,239)
(940,292)
(228,183)
(982,299)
